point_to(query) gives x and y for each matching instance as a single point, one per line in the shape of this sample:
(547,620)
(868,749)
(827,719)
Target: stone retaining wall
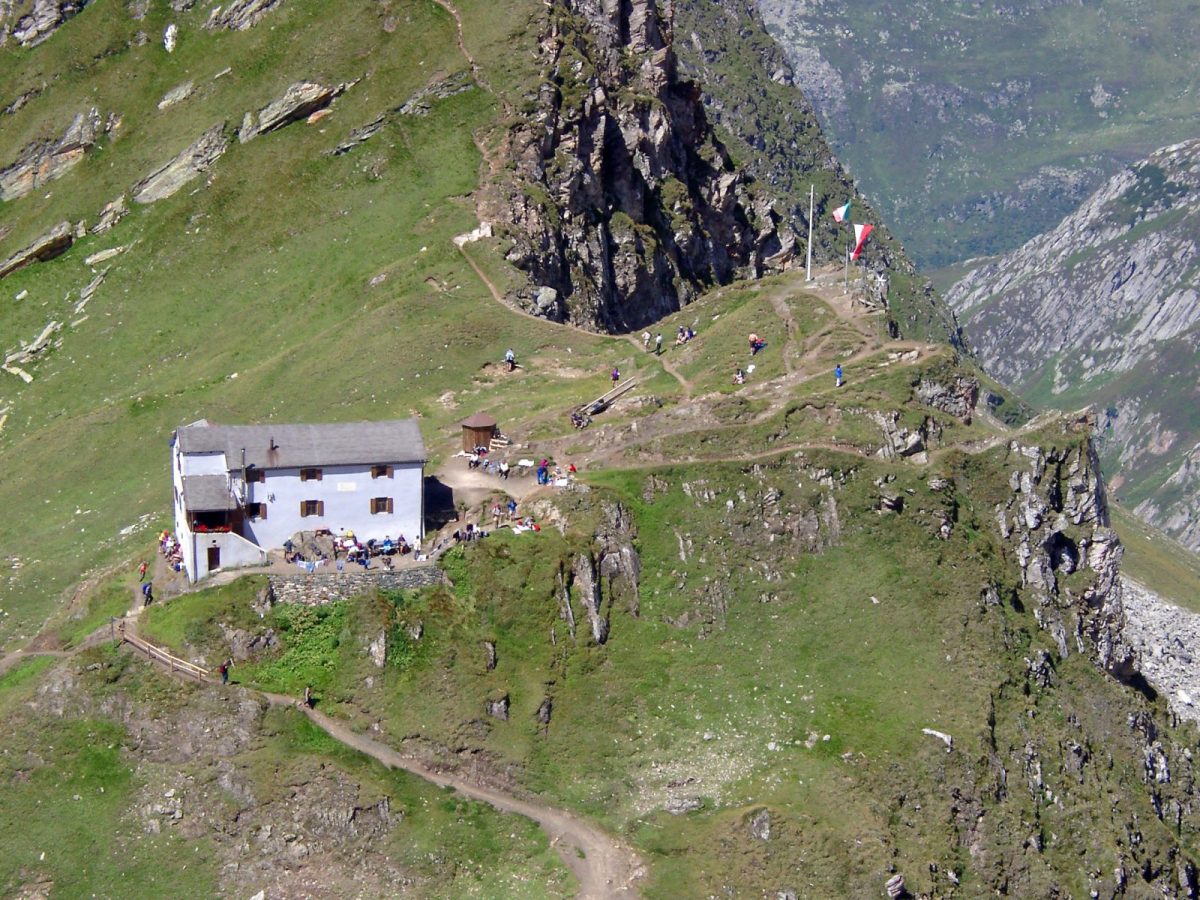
(314,590)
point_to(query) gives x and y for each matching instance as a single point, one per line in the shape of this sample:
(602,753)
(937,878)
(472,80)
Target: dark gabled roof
(207,493)
(292,446)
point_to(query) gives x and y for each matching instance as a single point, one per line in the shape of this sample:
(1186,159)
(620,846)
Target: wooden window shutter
(391,473)
(320,507)
(389,504)
(321,477)
(303,508)
(262,510)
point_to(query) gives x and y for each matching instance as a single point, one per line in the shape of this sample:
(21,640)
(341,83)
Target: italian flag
(841,213)
(860,238)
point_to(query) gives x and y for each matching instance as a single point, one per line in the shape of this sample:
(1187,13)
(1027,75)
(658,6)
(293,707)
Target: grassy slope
(784,646)
(70,785)
(220,283)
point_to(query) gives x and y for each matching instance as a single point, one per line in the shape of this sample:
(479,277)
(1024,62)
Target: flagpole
(846,286)
(808,268)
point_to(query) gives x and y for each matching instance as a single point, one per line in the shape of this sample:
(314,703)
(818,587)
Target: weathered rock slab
(189,164)
(49,245)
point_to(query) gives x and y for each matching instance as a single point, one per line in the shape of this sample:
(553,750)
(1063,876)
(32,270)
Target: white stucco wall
(235,551)
(347,492)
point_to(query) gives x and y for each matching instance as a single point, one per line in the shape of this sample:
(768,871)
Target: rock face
(1056,519)
(1106,309)
(604,575)
(49,245)
(190,164)
(42,20)
(44,161)
(624,202)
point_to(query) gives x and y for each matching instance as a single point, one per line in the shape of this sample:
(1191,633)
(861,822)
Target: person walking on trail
(308,698)
(616,375)
(511,359)
(837,375)
(658,344)
(142,571)
(645,340)
(147,593)
(224,670)
(512,508)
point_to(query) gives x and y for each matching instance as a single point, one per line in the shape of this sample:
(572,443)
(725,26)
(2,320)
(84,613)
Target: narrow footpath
(603,866)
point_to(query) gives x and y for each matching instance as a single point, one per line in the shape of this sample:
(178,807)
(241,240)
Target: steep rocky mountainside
(752,94)
(975,126)
(626,204)
(1105,309)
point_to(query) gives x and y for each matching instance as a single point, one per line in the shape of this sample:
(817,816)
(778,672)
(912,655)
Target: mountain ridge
(1105,308)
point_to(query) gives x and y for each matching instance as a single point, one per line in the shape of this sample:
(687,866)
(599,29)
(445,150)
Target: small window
(256,510)
(255,476)
(381,471)
(381,505)
(312,507)
(310,474)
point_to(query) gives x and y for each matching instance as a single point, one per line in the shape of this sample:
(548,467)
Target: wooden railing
(161,656)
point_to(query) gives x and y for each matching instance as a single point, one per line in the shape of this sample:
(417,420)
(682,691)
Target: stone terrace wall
(314,590)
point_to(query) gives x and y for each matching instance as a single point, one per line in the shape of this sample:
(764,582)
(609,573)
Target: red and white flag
(860,238)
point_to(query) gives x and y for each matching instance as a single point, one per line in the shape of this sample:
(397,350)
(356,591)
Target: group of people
(171,551)
(580,419)
(479,459)
(756,344)
(684,335)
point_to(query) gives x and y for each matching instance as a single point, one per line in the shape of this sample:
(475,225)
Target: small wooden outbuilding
(478,431)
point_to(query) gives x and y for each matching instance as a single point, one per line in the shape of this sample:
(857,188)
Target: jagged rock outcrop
(42,19)
(624,202)
(190,164)
(299,101)
(239,15)
(1106,309)
(1056,520)
(51,244)
(602,576)
(44,161)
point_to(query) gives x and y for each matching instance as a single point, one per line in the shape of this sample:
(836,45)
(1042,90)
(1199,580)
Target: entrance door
(214,558)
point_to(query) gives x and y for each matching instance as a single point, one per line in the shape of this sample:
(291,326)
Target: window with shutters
(256,510)
(254,475)
(381,472)
(310,474)
(312,507)
(381,505)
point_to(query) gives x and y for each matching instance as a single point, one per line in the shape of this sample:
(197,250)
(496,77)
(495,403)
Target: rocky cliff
(625,205)
(1105,309)
(753,96)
